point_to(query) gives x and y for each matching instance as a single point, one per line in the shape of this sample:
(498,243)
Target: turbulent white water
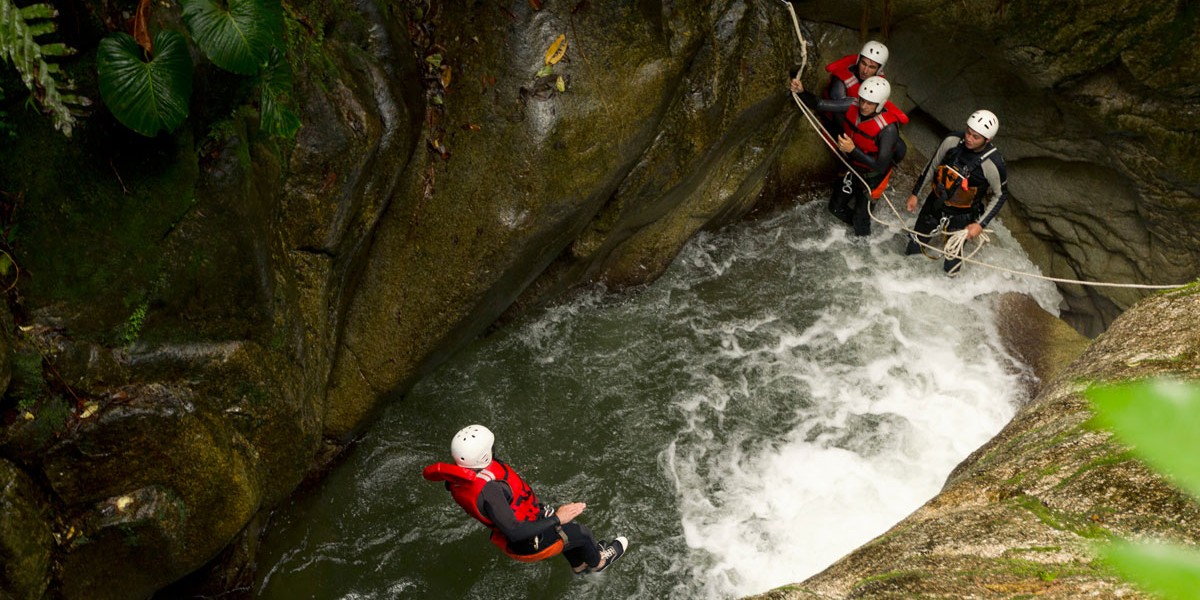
(782,395)
(900,377)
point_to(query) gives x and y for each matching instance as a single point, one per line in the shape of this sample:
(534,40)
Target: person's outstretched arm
(494,504)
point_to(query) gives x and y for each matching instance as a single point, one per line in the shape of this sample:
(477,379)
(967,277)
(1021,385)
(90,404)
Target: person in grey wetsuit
(969,184)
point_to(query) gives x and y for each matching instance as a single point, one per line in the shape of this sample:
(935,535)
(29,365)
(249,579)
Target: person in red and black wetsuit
(493,493)
(846,74)
(870,141)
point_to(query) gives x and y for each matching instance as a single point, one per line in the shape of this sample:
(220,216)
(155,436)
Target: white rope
(803,46)
(956,240)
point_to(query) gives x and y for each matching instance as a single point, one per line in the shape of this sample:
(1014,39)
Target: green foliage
(19,30)
(146,96)
(239,38)
(276,84)
(1159,419)
(133,325)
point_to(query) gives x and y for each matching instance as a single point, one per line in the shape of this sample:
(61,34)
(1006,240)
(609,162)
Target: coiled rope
(956,240)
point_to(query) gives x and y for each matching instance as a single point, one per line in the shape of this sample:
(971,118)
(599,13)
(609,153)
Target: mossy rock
(25,539)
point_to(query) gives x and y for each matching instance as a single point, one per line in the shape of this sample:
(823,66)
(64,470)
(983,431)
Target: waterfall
(783,394)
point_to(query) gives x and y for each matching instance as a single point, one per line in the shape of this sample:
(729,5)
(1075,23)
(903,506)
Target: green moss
(92,220)
(1190,289)
(1080,525)
(1120,455)
(27,387)
(875,581)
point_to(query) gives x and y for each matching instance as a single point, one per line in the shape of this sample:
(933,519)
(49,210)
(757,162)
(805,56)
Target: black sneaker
(609,553)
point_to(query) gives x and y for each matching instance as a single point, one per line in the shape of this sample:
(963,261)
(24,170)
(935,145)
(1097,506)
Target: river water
(783,394)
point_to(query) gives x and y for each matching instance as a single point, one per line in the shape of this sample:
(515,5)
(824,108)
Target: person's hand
(795,85)
(845,144)
(567,512)
(911,205)
(973,230)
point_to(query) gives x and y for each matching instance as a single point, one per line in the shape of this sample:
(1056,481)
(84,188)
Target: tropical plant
(1159,419)
(146,95)
(239,37)
(19,30)
(147,84)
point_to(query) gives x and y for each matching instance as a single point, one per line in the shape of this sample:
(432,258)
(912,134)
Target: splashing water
(783,394)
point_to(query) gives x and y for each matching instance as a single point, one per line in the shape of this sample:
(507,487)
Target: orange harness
(552,550)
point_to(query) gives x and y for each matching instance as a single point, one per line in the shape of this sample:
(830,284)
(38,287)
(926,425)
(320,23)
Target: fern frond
(19,28)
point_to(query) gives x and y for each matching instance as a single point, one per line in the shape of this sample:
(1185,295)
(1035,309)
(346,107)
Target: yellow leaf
(446,76)
(28,416)
(89,409)
(560,85)
(557,49)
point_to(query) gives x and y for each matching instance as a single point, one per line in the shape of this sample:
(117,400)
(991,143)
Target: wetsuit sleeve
(837,88)
(927,173)
(494,504)
(887,146)
(825,105)
(997,178)
(837,101)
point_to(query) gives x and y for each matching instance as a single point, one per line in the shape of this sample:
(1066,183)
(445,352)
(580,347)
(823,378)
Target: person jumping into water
(495,495)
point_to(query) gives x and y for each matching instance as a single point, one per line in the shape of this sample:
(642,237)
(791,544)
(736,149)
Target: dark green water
(779,397)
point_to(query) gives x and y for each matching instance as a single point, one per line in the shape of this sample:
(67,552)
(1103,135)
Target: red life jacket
(866,133)
(840,69)
(466,485)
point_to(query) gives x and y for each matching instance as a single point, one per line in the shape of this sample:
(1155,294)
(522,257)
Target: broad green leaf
(1160,420)
(237,36)
(146,96)
(275,117)
(1171,571)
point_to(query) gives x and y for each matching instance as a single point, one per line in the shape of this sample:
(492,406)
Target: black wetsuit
(530,537)
(984,171)
(849,197)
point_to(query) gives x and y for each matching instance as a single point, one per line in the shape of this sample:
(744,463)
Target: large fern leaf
(19,28)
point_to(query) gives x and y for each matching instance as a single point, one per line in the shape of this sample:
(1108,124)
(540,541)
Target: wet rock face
(660,120)
(236,306)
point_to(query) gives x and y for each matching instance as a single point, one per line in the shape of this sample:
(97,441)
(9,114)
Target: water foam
(894,382)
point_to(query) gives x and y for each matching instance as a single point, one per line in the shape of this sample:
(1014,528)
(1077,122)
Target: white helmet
(984,123)
(875,51)
(472,447)
(875,89)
